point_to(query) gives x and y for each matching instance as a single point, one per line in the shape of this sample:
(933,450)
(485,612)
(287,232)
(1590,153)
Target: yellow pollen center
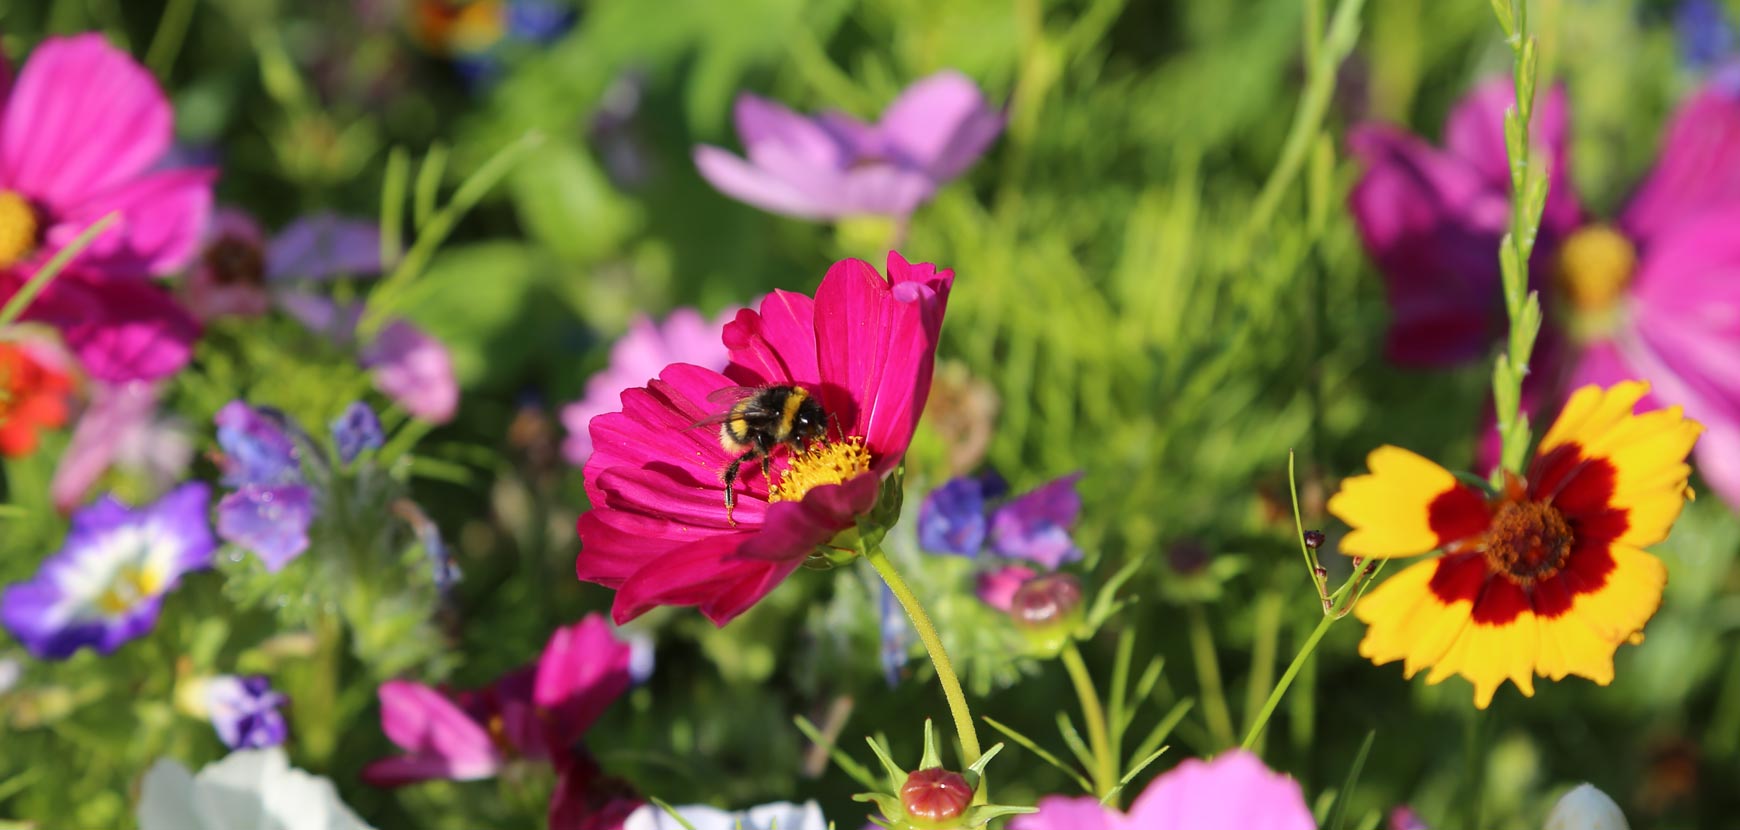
(132,584)
(823,462)
(1529,541)
(17,228)
(1595,265)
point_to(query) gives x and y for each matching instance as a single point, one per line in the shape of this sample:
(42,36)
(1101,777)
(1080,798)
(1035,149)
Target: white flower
(248,790)
(781,815)
(1586,808)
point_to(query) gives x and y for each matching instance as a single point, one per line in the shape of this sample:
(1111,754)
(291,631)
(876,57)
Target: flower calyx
(934,797)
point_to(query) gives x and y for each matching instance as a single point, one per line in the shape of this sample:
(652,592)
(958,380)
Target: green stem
(1280,691)
(166,44)
(945,671)
(1214,706)
(16,306)
(1099,737)
(1268,625)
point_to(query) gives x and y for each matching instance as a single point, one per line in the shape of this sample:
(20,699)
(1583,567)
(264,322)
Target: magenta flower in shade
(832,165)
(658,531)
(1650,296)
(238,266)
(82,129)
(1234,790)
(997,588)
(538,712)
(644,351)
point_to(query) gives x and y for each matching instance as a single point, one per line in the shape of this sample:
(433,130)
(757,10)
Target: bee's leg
(767,472)
(730,483)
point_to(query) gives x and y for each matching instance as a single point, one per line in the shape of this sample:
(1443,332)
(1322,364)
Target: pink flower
(833,165)
(1232,791)
(1649,297)
(120,425)
(658,532)
(415,370)
(644,351)
(997,588)
(82,129)
(536,713)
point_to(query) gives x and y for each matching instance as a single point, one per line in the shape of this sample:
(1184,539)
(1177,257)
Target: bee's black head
(810,422)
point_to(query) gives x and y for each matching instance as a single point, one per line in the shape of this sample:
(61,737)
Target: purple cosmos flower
(271,508)
(832,165)
(415,370)
(1647,297)
(107,582)
(997,588)
(244,711)
(953,518)
(355,430)
(642,353)
(1404,818)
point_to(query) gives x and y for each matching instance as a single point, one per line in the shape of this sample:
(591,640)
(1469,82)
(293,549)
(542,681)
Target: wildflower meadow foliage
(1041,415)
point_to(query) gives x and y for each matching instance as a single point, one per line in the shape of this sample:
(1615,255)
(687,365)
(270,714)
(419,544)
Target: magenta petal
(662,423)
(877,348)
(704,574)
(1057,812)
(83,118)
(1475,133)
(414,370)
(776,344)
(162,215)
(792,530)
(757,186)
(1233,790)
(121,329)
(1699,166)
(426,724)
(400,770)
(942,123)
(584,669)
(116,413)
(997,588)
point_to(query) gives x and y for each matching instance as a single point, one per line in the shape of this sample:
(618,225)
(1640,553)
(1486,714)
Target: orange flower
(1546,578)
(33,396)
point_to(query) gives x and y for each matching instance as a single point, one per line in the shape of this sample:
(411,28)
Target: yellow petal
(1391,508)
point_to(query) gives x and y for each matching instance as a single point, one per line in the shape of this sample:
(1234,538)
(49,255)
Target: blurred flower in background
(239,267)
(1586,808)
(638,357)
(477,36)
(82,129)
(832,166)
(106,584)
(782,815)
(1648,297)
(1034,526)
(1549,577)
(271,507)
(1233,790)
(356,430)
(121,426)
(658,531)
(244,711)
(1705,35)
(34,393)
(253,789)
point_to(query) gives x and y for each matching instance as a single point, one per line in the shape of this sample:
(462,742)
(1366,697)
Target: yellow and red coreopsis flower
(1548,576)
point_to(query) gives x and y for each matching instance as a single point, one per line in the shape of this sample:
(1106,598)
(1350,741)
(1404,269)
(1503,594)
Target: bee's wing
(730,396)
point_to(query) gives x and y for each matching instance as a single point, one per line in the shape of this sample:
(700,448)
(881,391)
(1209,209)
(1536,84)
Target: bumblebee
(760,420)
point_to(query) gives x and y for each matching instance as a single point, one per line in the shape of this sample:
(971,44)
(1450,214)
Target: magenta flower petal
(159,231)
(323,246)
(1057,812)
(801,525)
(115,415)
(642,352)
(776,343)
(583,670)
(121,330)
(943,123)
(1699,166)
(1475,133)
(1233,790)
(442,740)
(83,118)
(706,574)
(997,588)
(414,370)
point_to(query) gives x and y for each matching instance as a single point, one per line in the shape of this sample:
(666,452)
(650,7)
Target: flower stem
(20,301)
(1214,707)
(1105,772)
(1280,691)
(945,671)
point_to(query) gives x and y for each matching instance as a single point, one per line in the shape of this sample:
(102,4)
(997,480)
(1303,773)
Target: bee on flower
(1548,576)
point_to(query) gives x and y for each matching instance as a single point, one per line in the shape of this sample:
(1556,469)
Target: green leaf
(1338,810)
(1030,746)
(567,203)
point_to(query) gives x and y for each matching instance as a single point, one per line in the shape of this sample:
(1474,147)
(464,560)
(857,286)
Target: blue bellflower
(355,430)
(271,507)
(956,518)
(952,518)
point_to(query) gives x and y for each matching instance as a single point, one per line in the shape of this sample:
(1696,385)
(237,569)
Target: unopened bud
(1045,600)
(936,796)
(1321,572)
(1314,539)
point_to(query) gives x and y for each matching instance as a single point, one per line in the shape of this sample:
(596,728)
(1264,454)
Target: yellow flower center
(17,228)
(1595,265)
(823,462)
(131,584)
(1528,541)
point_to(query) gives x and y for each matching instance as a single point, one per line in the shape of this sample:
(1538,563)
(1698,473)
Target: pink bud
(935,795)
(1045,600)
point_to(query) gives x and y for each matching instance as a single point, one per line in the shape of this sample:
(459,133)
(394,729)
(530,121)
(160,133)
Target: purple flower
(1703,32)
(1404,818)
(832,165)
(355,430)
(1648,297)
(1035,525)
(238,266)
(896,634)
(106,584)
(271,508)
(415,370)
(642,353)
(953,518)
(244,710)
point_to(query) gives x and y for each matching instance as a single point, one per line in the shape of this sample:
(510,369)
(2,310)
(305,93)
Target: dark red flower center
(936,794)
(234,260)
(1529,541)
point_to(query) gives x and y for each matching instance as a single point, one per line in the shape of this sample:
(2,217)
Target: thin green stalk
(1105,771)
(939,658)
(166,44)
(1262,719)
(16,306)
(1214,707)
(1268,628)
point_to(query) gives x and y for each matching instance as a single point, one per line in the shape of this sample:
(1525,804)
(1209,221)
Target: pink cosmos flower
(645,350)
(121,425)
(82,128)
(535,713)
(414,369)
(1651,296)
(1232,791)
(833,165)
(658,531)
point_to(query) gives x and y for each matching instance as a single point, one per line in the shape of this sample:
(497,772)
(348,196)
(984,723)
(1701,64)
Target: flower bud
(935,797)
(1586,808)
(1047,609)
(1314,539)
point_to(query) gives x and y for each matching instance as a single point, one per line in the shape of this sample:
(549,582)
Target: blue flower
(1035,526)
(1705,37)
(895,633)
(952,518)
(271,508)
(355,430)
(106,584)
(244,711)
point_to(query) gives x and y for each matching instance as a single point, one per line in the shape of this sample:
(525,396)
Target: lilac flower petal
(942,124)
(269,520)
(322,316)
(355,430)
(756,186)
(883,190)
(1035,526)
(952,519)
(414,370)
(323,246)
(245,711)
(258,447)
(763,124)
